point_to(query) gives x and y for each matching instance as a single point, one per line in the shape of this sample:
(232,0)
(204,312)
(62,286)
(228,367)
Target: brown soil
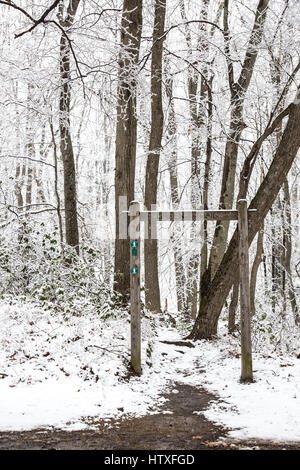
(181,430)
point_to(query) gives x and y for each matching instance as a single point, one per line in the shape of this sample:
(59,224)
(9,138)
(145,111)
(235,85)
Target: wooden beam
(190,215)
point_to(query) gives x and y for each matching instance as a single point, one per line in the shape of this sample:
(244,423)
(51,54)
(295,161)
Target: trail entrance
(136,216)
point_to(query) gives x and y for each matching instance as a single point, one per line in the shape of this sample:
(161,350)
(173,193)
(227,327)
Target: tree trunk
(254,270)
(276,258)
(288,253)
(66,147)
(211,306)
(126,133)
(207,169)
(197,124)
(19,175)
(56,188)
(172,167)
(232,308)
(29,147)
(152,293)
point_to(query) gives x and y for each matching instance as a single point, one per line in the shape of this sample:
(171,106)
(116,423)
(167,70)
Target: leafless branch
(27,158)
(227,48)
(250,160)
(35,22)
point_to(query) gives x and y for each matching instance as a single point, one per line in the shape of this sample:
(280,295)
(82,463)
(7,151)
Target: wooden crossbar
(189,215)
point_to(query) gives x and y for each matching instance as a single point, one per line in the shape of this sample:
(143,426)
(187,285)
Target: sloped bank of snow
(56,372)
(268,409)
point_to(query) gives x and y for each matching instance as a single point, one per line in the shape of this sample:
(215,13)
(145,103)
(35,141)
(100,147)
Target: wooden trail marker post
(135,283)
(136,216)
(245,321)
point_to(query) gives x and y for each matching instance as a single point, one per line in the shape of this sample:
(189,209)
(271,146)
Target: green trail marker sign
(134,270)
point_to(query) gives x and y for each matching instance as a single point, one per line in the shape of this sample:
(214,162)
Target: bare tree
(211,307)
(66,146)
(126,131)
(171,140)
(238,90)
(152,292)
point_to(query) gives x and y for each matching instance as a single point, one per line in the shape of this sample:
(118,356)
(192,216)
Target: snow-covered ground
(56,371)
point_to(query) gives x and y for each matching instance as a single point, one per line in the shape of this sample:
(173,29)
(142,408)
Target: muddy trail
(175,427)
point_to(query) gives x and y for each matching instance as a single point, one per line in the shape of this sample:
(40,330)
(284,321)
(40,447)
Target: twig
(104,349)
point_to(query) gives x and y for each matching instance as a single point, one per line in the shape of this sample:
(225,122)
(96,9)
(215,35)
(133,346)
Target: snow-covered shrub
(38,268)
(274,329)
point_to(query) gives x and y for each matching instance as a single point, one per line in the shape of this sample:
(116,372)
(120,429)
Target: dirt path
(181,430)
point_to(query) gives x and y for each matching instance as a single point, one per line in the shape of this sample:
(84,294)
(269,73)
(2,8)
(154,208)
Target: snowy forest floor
(65,384)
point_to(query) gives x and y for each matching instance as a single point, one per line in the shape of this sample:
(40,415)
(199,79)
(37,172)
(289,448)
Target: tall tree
(66,146)
(126,132)
(152,292)
(197,91)
(171,140)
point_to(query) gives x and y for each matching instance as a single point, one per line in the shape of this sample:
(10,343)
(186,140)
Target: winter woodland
(180,105)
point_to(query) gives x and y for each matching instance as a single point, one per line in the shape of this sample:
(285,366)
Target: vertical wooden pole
(246,356)
(135,295)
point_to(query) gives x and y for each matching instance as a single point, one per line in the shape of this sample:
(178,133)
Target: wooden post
(135,296)
(246,356)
